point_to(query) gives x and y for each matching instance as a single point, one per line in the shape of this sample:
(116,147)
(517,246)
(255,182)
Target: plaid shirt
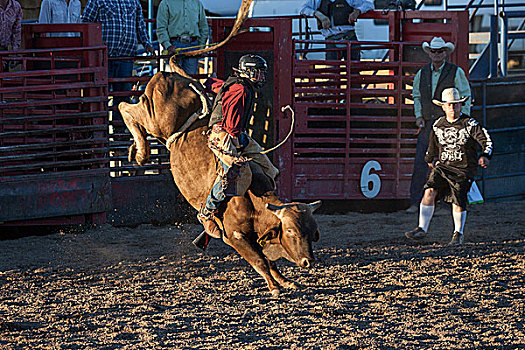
(121,21)
(10,25)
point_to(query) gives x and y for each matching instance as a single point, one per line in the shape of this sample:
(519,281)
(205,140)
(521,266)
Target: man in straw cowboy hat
(453,140)
(429,83)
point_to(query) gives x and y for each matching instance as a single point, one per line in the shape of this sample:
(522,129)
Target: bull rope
(192,119)
(205,111)
(289,132)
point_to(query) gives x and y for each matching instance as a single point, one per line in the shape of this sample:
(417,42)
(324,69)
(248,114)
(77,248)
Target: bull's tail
(242,14)
(177,69)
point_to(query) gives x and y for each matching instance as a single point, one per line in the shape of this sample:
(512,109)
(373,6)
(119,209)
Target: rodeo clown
(231,112)
(453,140)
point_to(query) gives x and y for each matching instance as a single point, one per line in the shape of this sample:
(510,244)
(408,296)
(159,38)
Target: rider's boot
(211,228)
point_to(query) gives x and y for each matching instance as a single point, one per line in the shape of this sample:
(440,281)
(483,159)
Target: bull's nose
(305,263)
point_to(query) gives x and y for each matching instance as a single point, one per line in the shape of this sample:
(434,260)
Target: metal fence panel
(53,127)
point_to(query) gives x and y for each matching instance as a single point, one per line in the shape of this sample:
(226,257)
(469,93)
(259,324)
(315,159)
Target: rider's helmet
(254,68)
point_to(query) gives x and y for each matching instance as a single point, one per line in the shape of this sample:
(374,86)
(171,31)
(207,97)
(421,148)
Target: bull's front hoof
(275,293)
(141,158)
(132,152)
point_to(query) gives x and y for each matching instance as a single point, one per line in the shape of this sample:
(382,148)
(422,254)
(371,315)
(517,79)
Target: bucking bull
(257,225)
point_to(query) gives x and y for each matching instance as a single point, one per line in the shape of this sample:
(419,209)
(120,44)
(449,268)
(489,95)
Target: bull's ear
(277,210)
(315,237)
(315,205)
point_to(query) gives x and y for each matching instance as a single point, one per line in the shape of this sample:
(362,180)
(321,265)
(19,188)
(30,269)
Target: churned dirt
(149,288)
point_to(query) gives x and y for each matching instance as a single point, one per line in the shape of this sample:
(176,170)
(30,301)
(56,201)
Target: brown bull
(257,225)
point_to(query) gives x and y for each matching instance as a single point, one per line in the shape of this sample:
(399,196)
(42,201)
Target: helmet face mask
(254,68)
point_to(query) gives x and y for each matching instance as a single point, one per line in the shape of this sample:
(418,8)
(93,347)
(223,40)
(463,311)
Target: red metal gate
(354,136)
(53,128)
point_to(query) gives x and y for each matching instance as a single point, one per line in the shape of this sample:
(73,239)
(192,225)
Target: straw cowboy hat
(437,43)
(450,95)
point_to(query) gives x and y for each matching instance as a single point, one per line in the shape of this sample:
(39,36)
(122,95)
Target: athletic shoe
(457,239)
(417,233)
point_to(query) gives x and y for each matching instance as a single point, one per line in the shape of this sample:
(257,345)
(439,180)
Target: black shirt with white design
(455,144)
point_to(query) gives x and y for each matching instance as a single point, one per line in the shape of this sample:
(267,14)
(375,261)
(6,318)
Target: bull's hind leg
(278,276)
(240,242)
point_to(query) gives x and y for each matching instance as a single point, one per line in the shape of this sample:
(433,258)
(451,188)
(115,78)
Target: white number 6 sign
(367,179)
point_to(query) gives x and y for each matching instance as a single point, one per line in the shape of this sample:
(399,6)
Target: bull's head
(297,231)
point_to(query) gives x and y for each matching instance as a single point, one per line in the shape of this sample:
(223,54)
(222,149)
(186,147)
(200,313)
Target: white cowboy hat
(450,95)
(437,43)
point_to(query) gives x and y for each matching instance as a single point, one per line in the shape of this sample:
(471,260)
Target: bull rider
(231,112)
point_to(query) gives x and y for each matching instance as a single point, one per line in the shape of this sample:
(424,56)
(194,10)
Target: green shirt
(460,82)
(178,17)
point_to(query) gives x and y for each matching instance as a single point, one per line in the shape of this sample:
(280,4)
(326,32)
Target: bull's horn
(274,207)
(277,210)
(315,205)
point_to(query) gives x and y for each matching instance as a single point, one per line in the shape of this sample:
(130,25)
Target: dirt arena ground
(149,288)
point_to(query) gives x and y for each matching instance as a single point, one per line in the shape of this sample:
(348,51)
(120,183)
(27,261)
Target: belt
(340,35)
(185,39)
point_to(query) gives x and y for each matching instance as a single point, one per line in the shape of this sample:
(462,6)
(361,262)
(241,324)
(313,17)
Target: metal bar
(475,10)
(354,160)
(515,14)
(50,73)
(53,87)
(516,128)
(521,173)
(515,35)
(516,195)
(504,44)
(144,167)
(506,105)
(493,45)
(497,83)
(54,50)
(29,177)
(52,102)
(150,17)
(33,146)
(503,7)
(25,133)
(39,166)
(42,117)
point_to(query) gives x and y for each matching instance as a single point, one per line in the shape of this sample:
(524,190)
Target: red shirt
(233,103)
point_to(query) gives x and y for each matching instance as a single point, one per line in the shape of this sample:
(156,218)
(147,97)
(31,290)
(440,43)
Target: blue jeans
(217,193)
(420,172)
(120,69)
(334,55)
(189,64)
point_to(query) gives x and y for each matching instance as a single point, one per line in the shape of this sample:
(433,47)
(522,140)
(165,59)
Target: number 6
(367,178)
